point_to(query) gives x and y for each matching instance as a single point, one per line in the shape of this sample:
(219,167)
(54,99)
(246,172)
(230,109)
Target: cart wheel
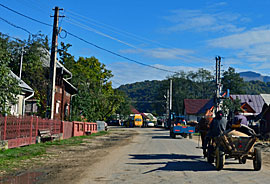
(243,160)
(257,161)
(210,157)
(220,159)
(184,135)
(190,136)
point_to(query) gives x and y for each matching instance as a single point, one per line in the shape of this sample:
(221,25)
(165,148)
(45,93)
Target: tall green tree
(9,88)
(96,99)
(34,71)
(232,81)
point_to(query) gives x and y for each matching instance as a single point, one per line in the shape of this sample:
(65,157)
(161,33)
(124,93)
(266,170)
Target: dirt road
(153,157)
(131,156)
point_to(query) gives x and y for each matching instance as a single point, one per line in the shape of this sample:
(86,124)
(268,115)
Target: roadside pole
(170,104)
(51,91)
(218,82)
(21,62)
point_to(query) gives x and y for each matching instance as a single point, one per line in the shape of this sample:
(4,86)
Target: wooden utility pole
(170,104)
(51,91)
(218,81)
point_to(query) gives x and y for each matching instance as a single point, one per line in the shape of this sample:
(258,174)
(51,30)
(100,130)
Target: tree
(232,81)
(96,99)
(9,88)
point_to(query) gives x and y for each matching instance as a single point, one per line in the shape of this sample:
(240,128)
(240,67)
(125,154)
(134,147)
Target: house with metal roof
(250,104)
(64,90)
(194,109)
(26,93)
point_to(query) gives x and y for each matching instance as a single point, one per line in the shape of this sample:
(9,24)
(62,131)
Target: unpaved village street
(134,156)
(153,157)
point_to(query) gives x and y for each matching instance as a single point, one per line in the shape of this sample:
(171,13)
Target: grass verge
(11,158)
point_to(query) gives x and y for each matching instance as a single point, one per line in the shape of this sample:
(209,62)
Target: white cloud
(161,53)
(244,40)
(125,73)
(196,20)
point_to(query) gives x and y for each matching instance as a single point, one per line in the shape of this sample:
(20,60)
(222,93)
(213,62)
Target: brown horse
(204,124)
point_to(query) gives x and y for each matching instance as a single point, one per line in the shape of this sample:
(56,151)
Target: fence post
(62,128)
(19,128)
(5,127)
(84,125)
(37,126)
(31,129)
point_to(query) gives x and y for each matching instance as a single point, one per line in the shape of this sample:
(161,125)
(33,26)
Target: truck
(181,129)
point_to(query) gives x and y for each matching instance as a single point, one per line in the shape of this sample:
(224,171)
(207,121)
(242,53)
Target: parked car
(150,124)
(114,123)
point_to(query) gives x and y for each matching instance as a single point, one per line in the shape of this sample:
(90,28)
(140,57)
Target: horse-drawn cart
(228,145)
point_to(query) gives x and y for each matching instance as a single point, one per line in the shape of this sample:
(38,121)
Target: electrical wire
(184,58)
(18,27)
(100,33)
(25,15)
(113,29)
(124,33)
(119,55)
(99,47)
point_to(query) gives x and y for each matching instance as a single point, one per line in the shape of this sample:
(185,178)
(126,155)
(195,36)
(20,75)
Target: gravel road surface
(153,157)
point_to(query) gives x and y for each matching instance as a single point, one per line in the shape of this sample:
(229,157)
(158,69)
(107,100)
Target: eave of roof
(22,84)
(46,62)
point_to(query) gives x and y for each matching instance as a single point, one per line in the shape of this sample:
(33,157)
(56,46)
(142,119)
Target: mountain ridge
(254,76)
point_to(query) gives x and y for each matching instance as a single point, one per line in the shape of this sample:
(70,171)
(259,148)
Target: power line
(18,27)
(99,47)
(99,32)
(25,15)
(116,54)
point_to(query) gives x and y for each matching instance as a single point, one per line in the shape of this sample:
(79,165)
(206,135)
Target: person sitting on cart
(239,118)
(217,127)
(240,124)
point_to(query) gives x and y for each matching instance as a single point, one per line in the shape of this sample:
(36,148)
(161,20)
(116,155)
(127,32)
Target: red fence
(20,131)
(67,129)
(83,128)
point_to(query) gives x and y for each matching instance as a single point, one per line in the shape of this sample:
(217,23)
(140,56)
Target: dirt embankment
(63,164)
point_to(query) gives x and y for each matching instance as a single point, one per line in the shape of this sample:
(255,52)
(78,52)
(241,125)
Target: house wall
(62,103)
(17,109)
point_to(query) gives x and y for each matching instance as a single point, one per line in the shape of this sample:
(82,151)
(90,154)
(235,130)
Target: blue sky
(173,35)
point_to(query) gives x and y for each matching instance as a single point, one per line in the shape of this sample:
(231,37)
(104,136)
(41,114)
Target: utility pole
(51,91)
(21,63)
(170,103)
(218,81)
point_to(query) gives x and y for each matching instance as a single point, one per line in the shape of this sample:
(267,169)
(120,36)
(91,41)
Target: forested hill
(148,96)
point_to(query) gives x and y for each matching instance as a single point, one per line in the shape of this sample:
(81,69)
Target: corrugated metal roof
(256,102)
(45,59)
(22,84)
(266,98)
(193,106)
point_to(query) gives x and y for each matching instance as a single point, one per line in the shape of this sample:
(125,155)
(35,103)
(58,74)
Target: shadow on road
(194,164)
(163,156)
(161,130)
(161,137)
(166,137)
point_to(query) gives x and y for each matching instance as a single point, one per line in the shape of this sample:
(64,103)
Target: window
(57,107)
